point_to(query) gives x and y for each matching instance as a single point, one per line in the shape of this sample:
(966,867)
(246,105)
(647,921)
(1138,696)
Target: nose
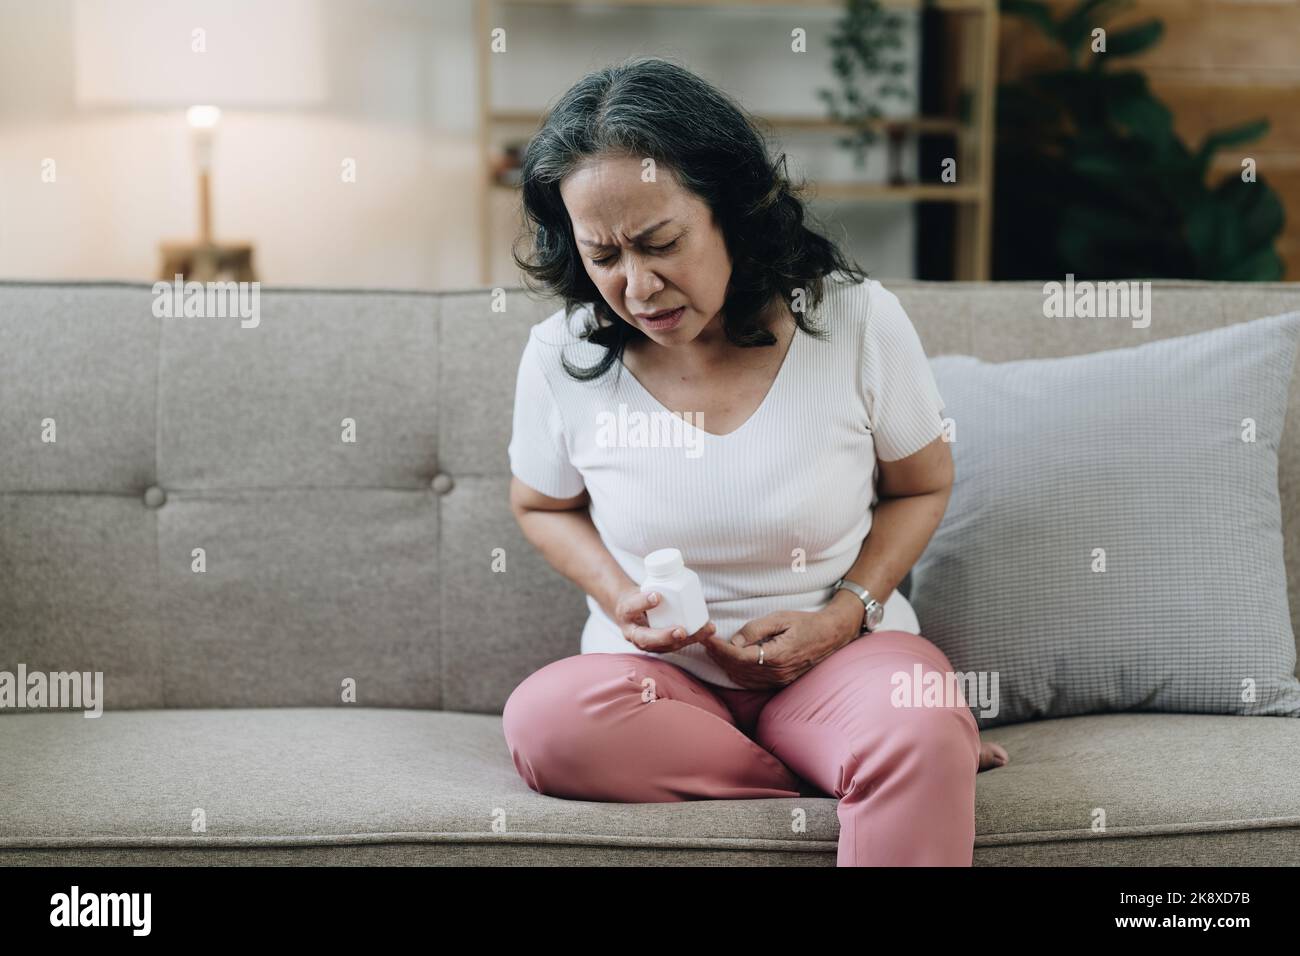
(642,282)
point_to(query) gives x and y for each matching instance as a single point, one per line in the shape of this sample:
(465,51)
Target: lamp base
(207,261)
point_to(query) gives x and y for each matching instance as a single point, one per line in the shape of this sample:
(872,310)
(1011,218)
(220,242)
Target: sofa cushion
(1142,790)
(373,785)
(1114,537)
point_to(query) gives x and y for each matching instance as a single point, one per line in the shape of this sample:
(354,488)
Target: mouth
(663,321)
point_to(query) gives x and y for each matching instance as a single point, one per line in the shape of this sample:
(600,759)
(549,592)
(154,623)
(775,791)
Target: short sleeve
(903,401)
(538,448)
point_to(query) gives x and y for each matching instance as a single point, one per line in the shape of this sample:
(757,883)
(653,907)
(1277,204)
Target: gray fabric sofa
(330,565)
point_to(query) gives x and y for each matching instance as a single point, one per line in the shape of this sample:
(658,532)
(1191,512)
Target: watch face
(875,616)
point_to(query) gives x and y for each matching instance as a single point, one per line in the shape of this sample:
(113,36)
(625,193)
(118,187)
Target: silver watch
(875,611)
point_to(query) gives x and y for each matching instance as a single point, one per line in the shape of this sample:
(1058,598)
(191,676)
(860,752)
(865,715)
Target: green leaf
(1207,232)
(1233,136)
(1227,229)
(1254,207)
(1134,39)
(1077,26)
(1036,12)
(1144,116)
(1236,134)
(1262,265)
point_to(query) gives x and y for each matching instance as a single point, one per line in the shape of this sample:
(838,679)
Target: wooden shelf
(976,39)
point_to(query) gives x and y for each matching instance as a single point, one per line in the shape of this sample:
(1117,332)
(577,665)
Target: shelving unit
(973,30)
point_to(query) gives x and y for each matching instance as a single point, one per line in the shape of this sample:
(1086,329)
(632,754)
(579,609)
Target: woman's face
(648,247)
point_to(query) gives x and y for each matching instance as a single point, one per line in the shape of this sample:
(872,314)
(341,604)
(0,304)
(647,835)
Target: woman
(657,214)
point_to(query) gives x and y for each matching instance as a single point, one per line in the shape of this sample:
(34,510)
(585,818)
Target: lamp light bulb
(203,117)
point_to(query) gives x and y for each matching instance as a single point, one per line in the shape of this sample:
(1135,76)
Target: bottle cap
(663,563)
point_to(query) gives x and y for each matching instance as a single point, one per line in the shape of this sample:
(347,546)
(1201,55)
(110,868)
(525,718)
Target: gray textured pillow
(1138,451)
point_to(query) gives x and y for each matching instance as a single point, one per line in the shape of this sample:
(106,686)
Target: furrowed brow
(637,238)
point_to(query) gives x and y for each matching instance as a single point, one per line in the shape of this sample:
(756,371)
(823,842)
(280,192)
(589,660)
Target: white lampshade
(256,53)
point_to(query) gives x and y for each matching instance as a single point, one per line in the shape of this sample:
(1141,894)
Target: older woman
(660,220)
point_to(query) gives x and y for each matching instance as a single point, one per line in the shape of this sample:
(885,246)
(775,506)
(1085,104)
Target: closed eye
(608,259)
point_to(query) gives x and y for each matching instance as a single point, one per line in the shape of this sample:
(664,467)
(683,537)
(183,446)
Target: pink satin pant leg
(635,728)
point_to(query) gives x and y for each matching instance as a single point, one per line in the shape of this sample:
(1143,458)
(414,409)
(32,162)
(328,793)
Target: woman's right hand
(630,616)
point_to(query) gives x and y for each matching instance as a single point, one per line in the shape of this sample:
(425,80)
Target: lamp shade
(229,53)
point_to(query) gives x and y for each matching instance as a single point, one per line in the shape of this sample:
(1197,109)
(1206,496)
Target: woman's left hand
(794,642)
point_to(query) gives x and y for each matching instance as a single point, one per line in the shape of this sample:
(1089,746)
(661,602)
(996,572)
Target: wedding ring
(760,653)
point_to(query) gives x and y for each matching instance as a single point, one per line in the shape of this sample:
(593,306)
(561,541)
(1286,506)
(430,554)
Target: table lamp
(197,58)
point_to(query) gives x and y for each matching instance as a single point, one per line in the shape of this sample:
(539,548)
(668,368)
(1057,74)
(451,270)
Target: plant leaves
(1255,208)
(1077,26)
(1036,12)
(1232,136)
(1135,39)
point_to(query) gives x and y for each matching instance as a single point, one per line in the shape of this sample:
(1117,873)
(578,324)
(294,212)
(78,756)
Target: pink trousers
(635,728)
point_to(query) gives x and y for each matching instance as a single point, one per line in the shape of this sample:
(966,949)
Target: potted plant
(1091,178)
(866,61)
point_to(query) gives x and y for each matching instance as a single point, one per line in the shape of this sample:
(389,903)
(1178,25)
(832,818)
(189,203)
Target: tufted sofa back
(201,532)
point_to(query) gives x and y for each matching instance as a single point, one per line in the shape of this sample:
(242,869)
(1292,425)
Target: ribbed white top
(770,515)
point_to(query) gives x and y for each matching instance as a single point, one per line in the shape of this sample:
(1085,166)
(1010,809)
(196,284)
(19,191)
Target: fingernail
(654,598)
(679,634)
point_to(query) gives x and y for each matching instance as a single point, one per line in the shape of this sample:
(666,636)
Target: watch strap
(869,603)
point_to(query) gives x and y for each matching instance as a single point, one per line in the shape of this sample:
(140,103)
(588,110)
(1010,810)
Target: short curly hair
(651,107)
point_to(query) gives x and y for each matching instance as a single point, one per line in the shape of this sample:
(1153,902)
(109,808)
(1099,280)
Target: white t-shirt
(769,516)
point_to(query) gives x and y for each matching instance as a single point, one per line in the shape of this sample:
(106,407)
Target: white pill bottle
(681,599)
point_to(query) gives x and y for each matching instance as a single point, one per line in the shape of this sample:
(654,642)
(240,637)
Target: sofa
(288,549)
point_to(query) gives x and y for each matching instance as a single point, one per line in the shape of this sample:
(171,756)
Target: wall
(403,103)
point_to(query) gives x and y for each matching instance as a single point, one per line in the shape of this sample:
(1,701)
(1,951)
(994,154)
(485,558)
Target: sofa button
(442,483)
(154,496)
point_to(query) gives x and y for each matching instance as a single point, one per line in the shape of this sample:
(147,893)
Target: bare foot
(992,755)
